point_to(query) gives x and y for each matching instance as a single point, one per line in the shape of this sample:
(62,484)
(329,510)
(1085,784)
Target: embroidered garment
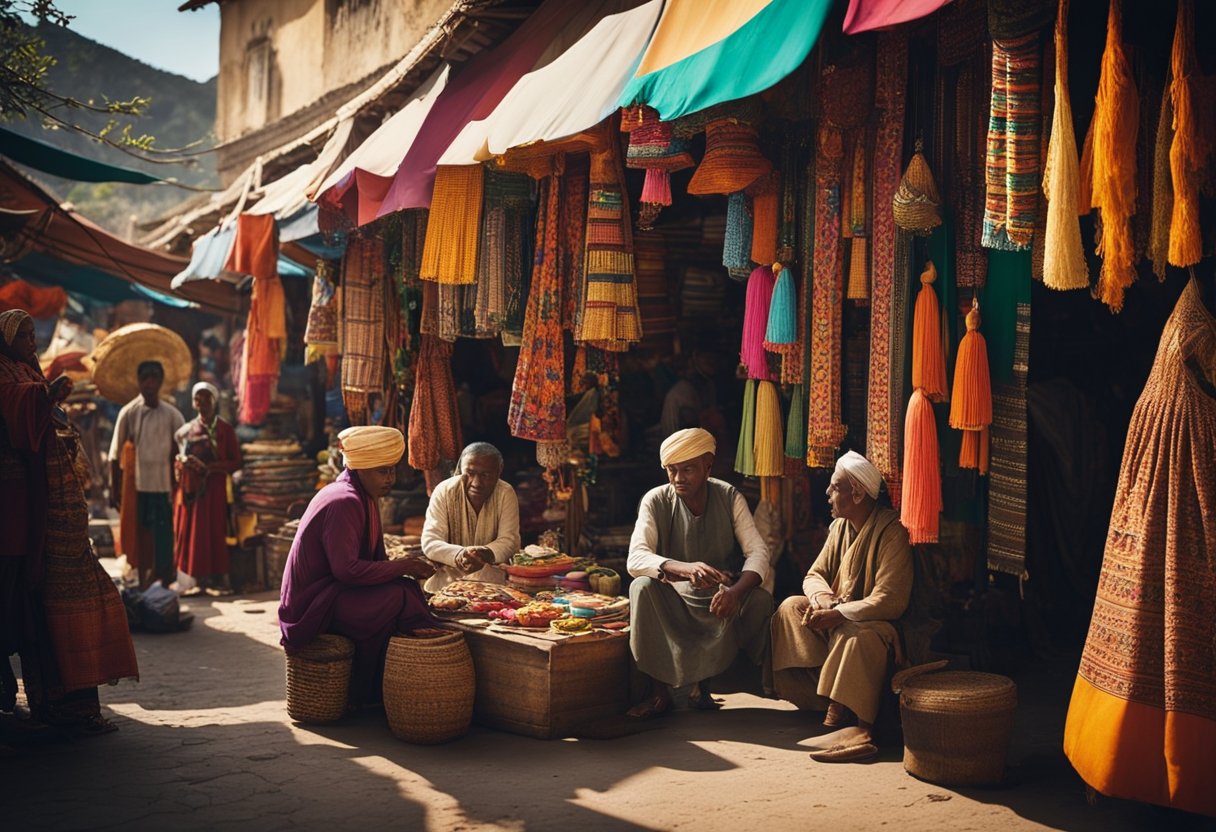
(434,429)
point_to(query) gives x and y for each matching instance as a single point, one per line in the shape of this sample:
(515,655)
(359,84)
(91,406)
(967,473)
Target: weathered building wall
(287,65)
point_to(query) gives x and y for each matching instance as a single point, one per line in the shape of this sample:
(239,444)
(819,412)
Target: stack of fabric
(275,475)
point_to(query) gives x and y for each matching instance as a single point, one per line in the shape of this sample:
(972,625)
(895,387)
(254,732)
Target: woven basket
(957,726)
(428,688)
(318,678)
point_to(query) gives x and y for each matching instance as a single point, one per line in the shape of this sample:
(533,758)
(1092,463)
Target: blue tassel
(782,312)
(737,247)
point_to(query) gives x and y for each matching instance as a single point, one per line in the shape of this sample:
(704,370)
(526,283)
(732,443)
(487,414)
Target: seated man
(472,522)
(831,646)
(338,579)
(697,562)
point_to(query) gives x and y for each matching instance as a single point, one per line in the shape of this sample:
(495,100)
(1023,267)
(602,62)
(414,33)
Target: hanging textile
(1189,151)
(768,440)
(928,353)
(765,194)
(1142,720)
(572,238)
(500,252)
(737,243)
(857,202)
(1064,265)
(255,252)
(38,302)
(654,149)
(538,406)
(1163,188)
(609,318)
(780,332)
(363,345)
(745,452)
(434,427)
(971,101)
(825,431)
(795,425)
(971,400)
(1116,119)
(921,509)
(321,331)
(885,400)
(755,322)
(870,15)
(794,359)
(452,231)
(1014,127)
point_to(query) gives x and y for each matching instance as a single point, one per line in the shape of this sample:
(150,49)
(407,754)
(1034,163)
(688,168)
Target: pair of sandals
(838,746)
(660,703)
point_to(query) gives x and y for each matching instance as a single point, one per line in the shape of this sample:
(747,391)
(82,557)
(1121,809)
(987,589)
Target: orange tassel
(971,403)
(1116,121)
(928,357)
(764,224)
(1186,153)
(1085,190)
(922,485)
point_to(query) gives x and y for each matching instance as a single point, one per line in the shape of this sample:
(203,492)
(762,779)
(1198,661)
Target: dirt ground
(205,743)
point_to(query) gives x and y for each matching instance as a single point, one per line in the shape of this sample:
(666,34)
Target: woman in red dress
(207,455)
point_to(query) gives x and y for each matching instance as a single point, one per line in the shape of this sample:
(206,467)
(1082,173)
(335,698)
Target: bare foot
(650,707)
(851,735)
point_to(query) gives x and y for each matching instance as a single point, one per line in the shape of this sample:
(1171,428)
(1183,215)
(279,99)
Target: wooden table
(545,687)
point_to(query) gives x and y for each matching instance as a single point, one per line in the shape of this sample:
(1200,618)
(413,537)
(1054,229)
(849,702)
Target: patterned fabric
(825,431)
(570,243)
(1142,721)
(321,331)
(434,428)
(1007,475)
(884,407)
(538,406)
(363,348)
(609,318)
(1014,129)
(450,253)
(973,92)
(737,246)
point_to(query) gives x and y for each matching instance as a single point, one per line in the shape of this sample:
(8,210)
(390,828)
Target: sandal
(93,726)
(656,705)
(702,700)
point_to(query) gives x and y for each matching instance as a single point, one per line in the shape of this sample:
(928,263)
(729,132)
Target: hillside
(182,112)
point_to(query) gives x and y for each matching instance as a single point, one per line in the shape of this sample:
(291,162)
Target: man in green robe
(697,562)
(833,645)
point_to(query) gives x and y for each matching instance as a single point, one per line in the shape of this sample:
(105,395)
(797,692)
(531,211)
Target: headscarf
(10,322)
(209,387)
(686,444)
(862,472)
(371,446)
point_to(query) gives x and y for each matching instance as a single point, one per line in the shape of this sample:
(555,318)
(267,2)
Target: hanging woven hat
(116,360)
(732,159)
(917,201)
(653,148)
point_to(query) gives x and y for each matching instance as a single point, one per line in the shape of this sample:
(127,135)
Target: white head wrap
(10,322)
(371,446)
(862,472)
(686,444)
(209,387)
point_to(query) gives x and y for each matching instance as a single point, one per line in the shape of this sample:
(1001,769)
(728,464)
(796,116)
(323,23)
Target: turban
(687,444)
(209,387)
(371,446)
(10,322)
(862,471)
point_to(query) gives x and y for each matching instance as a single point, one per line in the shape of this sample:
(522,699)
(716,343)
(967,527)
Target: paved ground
(205,743)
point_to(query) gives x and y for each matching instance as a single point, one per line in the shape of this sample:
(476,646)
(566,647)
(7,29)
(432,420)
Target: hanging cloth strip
(434,426)
(255,252)
(1190,149)
(745,452)
(755,323)
(506,194)
(571,242)
(885,400)
(321,331)
(794,359)
(855,226)
(795,427)
(363,347)
(450,253)
(1014,129)
(768,440)
(766,206)
(1163,187)
(1116,119)
(538,406)
(737,243)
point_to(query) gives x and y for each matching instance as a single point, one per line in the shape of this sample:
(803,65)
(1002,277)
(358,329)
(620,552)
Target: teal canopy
(57,162)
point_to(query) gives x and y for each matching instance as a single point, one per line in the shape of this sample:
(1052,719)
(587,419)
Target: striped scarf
(1014,129)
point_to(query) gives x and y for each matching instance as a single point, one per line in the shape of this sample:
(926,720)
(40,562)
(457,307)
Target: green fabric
(1009,279)
(154,513)
(50,159)
(755,56)
(745,453)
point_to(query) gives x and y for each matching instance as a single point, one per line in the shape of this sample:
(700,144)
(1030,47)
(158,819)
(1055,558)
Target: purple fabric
(338,580)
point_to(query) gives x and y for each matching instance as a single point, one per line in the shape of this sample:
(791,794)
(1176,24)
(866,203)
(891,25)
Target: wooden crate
(546,689)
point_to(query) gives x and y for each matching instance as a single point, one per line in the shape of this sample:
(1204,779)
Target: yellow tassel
(769,441)
(928,358)
(1187,152)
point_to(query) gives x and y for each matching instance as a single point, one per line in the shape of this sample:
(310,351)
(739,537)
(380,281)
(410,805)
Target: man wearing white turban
(833,645)
(697,562)
(338,578)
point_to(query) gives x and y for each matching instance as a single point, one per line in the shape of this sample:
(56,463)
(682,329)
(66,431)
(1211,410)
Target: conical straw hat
(116,360)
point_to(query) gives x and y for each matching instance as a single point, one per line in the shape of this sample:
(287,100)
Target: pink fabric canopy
(868,15)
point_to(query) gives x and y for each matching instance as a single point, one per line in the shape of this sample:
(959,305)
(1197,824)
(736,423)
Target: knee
(792,608)
(642,587)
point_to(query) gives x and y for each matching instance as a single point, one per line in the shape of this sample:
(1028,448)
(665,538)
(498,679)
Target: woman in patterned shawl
(60,609)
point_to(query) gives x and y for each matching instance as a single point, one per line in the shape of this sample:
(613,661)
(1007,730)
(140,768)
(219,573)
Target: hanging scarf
(737,243)
(572,237)
(1116,119)
(505,194)
(321,331)
(768,439)
(755,323)
(1189,150)
(745,452)
(450,253)
(1163,187)
(1013,144)
(972,98)
(434,427)
(363,346)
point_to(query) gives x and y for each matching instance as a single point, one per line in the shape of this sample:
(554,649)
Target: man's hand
(700,574)
(418,568)
(823,619)
(725,602)
(60,389)
(474,558)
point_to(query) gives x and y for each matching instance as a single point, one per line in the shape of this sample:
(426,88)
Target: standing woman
(60,609)
(208,455)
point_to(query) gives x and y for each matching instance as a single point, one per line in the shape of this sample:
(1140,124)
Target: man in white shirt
(149,424)
(698,562)
(472,522)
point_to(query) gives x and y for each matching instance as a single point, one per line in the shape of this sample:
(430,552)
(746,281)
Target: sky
(153,31)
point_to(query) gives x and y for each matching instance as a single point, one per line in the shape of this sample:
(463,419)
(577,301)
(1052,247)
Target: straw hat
(117,358)
(732,159)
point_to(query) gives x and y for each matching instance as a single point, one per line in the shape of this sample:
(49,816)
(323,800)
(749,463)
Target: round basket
(957,726)
(117,358)
(428,688)
(318,678)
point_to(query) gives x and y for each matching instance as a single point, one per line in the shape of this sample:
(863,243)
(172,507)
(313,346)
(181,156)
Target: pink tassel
(656,189)
(755,323)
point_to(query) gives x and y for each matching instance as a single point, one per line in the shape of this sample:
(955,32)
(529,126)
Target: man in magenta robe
(338,578)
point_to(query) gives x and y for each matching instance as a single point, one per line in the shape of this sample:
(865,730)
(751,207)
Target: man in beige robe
(472,521)
(832,646)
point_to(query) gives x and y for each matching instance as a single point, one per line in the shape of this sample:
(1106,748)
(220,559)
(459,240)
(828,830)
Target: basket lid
(961,691)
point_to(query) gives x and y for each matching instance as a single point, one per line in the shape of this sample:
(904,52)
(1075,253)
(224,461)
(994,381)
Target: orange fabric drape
(1187,153)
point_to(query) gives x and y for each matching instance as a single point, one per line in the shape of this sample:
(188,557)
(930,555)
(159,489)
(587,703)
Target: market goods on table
(402,546)
(477,597)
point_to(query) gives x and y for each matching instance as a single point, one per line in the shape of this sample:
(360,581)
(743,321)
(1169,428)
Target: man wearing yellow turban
(338,578)
(697,562)
(832,646)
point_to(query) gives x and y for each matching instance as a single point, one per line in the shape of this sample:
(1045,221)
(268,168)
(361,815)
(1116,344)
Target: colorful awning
(573,93)
(705,52)
(59,162)
(868,15)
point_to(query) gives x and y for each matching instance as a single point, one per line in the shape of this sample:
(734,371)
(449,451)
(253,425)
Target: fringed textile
(1116,119)
(1163,188)
(971,400)
(434,427)
(745,452)
(450,253)
(610,317)
(500,255)
(765,217)
(1013,144)
(928,355)
(1064,265)
(971,103)
(921,509)
(795,425)
(737,245)
(769,438)
(1188,151)
(755,322)
(781,331)
(363,346)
